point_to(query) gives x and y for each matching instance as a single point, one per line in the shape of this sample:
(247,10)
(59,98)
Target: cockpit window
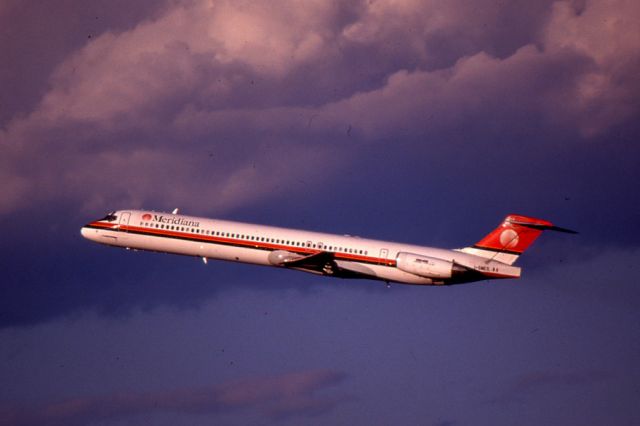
(111,217)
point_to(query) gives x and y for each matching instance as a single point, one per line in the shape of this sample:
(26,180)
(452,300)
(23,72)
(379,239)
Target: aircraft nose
(86,232)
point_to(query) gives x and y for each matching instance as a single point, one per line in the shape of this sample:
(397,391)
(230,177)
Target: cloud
(608,33)
(431,102)
(109,115)
(37,39)
(292,394)
(530,384)
(197,52)
(272,95)
(435,34)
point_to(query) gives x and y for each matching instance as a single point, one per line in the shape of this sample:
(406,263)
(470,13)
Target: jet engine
(280,257)
(429,267)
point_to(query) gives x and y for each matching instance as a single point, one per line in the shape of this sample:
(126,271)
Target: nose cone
(88,233)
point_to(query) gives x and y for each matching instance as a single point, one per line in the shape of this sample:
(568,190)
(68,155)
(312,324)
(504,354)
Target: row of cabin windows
(251,237)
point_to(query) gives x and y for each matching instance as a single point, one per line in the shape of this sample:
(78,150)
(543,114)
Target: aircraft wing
(325,263)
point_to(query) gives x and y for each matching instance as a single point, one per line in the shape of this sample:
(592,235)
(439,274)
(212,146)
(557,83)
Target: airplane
(326,254)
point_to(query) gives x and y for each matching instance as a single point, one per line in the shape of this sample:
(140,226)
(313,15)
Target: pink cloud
(608,33)
(202,98)
(292,394)
(527,385)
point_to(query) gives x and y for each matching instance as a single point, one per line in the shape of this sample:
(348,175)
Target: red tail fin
(509,240)
(515,234)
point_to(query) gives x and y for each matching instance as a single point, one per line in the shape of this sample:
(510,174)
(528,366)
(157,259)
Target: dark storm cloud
(277,397)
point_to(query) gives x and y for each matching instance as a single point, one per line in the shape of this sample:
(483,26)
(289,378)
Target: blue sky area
(423,122)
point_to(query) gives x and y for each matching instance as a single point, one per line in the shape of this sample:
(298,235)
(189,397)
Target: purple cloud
(292,394)
(530,385)
(243,86)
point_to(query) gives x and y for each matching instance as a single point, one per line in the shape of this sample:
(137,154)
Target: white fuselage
(249,243)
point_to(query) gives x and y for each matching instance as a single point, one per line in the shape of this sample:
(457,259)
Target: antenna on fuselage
(175,211)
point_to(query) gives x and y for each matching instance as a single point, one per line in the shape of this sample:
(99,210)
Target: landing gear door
(124,221)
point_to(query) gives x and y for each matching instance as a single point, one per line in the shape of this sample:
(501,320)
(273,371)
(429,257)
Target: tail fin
(509,240)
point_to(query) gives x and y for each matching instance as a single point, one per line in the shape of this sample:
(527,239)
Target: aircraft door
(124,220)
(384,253)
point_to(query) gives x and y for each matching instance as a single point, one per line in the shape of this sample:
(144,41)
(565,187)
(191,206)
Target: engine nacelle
(280,257)
(424,266)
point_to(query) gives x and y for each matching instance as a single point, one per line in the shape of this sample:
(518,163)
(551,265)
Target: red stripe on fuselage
(236,242)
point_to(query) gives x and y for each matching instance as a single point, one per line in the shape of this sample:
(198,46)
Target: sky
(423,122)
